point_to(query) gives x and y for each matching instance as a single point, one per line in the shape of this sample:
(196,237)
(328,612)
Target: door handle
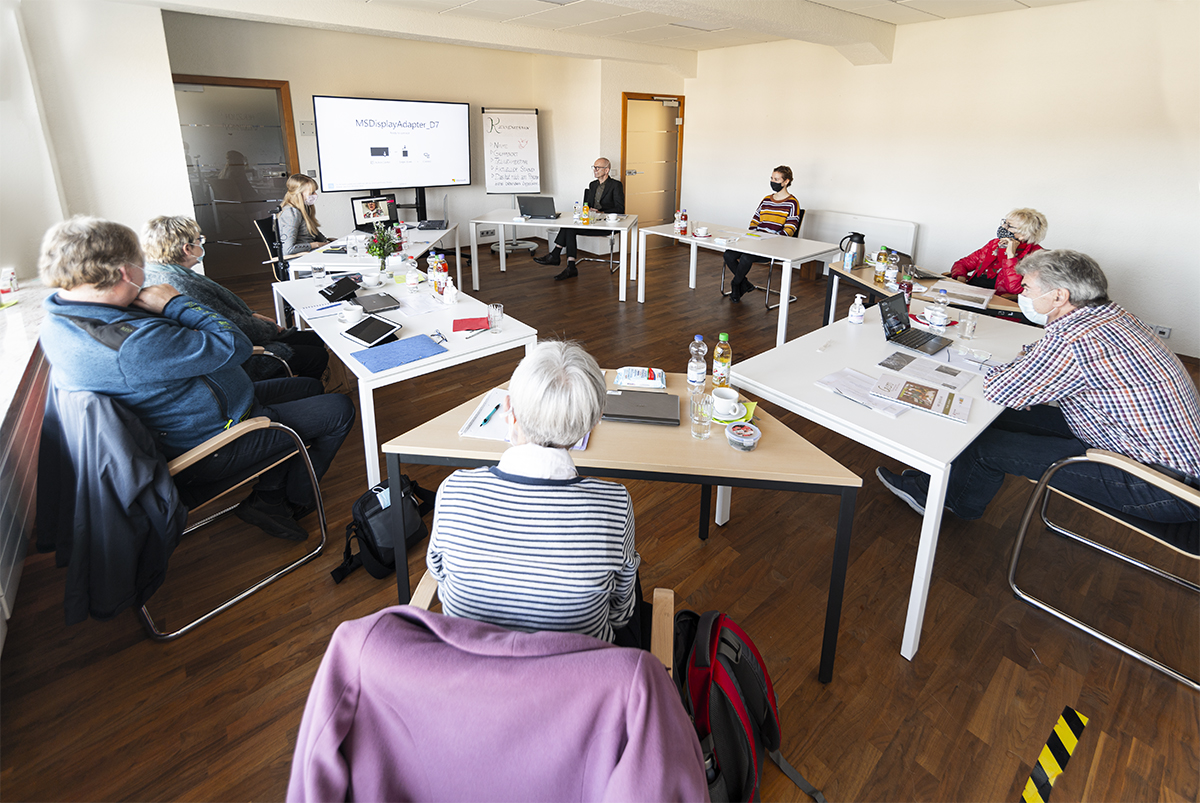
(632,172)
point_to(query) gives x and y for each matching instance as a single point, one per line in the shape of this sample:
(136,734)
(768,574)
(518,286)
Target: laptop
(642,407)
(377,302)
(538,207)
(893,312)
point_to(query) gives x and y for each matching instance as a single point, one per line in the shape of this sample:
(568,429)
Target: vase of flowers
(383,243)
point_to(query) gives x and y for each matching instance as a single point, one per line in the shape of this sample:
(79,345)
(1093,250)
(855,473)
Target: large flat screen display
(370,143)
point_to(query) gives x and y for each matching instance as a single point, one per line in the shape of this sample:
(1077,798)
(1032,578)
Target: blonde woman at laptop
(298,227)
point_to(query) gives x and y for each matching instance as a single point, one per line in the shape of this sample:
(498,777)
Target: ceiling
(706,24)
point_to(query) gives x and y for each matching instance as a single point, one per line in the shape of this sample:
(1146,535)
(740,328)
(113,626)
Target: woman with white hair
(175,246)
(995,265)
(529,544)
(298,227)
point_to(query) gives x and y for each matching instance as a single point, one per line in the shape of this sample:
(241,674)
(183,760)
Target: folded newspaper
(938,401)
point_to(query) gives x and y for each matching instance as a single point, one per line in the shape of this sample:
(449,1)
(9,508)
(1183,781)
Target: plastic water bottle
(938,313)
(412,277)
(683,222)
(697,368)
(722,358)
(857,310)
(576,214)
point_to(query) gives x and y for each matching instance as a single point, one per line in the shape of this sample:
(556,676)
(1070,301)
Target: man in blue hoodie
(178,366)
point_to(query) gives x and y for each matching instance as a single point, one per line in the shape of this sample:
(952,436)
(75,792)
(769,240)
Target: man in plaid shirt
(1117,388)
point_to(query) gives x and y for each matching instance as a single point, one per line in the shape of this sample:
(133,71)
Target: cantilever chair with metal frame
(1182,538)
(770,271)
(613,240)
(662,628)
(221,490)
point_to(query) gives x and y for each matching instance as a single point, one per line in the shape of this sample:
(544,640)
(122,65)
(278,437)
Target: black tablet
(340,290)
(372,330)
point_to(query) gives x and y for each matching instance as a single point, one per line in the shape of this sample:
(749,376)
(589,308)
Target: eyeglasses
(198,241)
(599,167)
(438,337)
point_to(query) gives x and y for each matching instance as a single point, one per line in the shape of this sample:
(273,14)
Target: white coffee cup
(613,217)
(725,401)
(702,231)
(350,313)
(371,279)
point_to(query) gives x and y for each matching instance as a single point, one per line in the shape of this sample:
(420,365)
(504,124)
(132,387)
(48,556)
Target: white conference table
(786,375)
(791,251)
(460,348)
(420,241)
(626,225)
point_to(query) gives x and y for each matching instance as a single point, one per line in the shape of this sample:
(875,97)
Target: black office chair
(268,229)
(770,270)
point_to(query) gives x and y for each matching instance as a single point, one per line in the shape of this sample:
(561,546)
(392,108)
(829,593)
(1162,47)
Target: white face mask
(310,200)
(1026,305)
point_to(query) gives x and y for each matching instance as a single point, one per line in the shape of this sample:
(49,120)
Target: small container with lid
(743,436)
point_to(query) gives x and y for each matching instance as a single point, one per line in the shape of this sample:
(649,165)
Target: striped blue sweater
(529,553)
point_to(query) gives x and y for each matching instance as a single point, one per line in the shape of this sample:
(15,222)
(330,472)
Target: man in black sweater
(603,195)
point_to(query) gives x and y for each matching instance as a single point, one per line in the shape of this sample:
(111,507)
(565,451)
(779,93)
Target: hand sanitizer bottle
(857,310)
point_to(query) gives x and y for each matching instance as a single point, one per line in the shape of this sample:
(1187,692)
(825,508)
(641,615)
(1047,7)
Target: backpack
(371,528)
(728,694)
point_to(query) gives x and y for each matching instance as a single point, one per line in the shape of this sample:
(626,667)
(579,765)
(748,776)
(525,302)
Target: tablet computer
(340,290)
(373,330)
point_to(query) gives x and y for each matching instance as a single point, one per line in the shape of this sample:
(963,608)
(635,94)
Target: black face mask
(776,186)
(1004,234)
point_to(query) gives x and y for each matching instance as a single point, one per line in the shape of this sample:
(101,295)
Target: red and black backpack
(727,691)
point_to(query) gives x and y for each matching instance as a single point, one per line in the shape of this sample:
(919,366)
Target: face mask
(310,200)
(1026,305)
(200,258)
(776,186)
(1004,234)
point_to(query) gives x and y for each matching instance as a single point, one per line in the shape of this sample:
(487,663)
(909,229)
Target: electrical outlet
(487,232)
(1163,332)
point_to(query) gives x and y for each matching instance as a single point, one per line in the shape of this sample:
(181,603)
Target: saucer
(703,236)
(739,411)
(367,285)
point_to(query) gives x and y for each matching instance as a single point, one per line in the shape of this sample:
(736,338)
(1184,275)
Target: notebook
(377,302)
(642,407)
(893,313)
(538,207)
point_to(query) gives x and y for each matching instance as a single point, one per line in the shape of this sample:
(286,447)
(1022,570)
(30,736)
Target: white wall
(1089,112)
(105,88)
(30,202)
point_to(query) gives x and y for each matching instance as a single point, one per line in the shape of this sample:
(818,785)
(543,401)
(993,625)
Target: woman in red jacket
(994,265)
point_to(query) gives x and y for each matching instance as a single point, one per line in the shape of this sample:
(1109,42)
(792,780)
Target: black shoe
(550,259)
(905,487)
(569,272)
(736,295)
(300,511)
(748,286)
(274,520)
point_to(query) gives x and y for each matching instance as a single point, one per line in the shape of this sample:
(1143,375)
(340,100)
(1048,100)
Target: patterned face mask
(1004,234)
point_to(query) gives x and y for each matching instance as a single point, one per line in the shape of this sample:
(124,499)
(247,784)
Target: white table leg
(724,495)
(500,234)
(475,255)
(641,267)
(633,255)
(692,267)
(278,306)
(923,571)
(623,275)
(833,290)
(458,256)
(785,292)
(366,412)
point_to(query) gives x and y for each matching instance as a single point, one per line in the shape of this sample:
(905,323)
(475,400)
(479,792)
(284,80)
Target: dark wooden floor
(98,712)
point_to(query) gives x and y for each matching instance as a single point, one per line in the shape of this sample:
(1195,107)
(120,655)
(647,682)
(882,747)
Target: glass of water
(495,317)
(968,322)
(320,278)
(702,413)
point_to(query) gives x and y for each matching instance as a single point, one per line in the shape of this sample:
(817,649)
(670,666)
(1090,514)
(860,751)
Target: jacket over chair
(412,705)
(109,506)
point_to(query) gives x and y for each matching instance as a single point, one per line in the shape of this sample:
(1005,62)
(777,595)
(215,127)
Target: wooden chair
(770,271)
(1181,538)
(662,628)
(214,494)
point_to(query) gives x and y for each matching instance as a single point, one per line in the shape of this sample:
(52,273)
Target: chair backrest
(799,222)
(509,716)
(268,229)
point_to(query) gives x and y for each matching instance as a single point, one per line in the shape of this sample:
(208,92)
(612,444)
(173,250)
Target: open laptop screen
(894,314)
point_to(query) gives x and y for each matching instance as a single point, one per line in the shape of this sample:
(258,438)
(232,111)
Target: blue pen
(328,306)
(488,417)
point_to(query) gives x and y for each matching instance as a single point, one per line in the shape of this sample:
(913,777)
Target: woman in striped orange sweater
(778,213)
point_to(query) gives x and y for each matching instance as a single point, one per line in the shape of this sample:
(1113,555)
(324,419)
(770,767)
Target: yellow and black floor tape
(1055,755)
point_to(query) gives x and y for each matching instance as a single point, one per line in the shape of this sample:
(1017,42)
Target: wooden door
(651,157)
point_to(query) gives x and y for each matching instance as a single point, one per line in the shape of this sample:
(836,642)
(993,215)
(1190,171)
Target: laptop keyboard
(914,338)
